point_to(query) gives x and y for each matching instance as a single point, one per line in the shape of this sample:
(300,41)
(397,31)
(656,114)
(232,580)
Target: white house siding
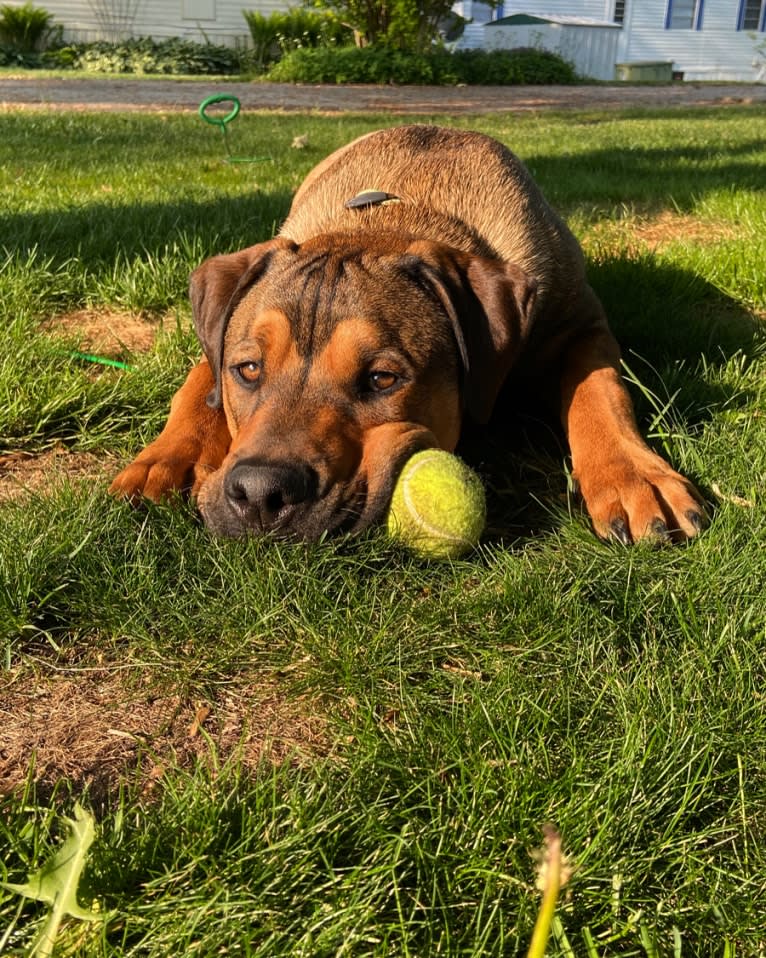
(220,21)
(480,13)
(472,37)
(476,12)
(592,50)
(595,9)
(716,52)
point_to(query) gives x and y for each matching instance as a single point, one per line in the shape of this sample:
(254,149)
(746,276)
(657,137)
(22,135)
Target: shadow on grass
(103,234)
(650,176)
(672,321)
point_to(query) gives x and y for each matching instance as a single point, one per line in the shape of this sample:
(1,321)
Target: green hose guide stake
(222,121)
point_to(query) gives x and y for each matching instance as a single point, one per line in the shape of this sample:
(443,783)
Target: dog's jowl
(419,271)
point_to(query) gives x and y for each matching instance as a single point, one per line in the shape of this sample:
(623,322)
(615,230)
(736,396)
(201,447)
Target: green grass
(617,693)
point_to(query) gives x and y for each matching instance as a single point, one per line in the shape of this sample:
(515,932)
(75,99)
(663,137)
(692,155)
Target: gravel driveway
(29,92)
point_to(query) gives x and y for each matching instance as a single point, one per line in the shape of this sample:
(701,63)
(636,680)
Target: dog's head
(336,360)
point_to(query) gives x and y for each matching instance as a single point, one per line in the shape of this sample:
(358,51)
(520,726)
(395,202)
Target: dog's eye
(248,372)
(381,380)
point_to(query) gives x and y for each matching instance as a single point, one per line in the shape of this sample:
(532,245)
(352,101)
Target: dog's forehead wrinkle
(313,296)
(325,289)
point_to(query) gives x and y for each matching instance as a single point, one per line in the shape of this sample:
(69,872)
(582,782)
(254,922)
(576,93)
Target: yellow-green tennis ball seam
(438,506)
(414,509)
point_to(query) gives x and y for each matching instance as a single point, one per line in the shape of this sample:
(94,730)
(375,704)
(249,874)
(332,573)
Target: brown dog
(419,268)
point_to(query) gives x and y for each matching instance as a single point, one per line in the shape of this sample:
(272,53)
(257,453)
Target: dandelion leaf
(55,883)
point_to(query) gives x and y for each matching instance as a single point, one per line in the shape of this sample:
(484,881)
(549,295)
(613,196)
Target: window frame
(696,23)
(761,28)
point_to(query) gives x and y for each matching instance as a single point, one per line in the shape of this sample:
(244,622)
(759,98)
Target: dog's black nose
(266,495)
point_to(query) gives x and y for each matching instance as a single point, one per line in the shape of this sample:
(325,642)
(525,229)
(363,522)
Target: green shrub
(282,32)
(381,64)
(536,66)
(520,65)
(9,57)
(25,29)
(144,55)
(374,64)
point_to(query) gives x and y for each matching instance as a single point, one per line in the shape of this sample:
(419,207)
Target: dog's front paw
(156,474)
(638,496)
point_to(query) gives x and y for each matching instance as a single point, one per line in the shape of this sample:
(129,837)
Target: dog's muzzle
(267,497)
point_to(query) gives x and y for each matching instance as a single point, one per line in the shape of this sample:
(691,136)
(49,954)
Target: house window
(752,15)
(619,11)
(684,15)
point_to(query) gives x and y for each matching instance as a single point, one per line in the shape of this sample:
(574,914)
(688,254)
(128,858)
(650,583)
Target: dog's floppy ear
(215,289)
(490,304)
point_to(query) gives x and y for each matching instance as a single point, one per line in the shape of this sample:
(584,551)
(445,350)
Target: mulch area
(130,94)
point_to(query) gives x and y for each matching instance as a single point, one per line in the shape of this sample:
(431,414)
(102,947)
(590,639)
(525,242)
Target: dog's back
(454,186)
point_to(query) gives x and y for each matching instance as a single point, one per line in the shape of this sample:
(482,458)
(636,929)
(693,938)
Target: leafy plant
(55,883)
(354,65)
(280,32)
(521,65)
(26,28)
(144,55)
(302,46)
(27,61)
(400,24)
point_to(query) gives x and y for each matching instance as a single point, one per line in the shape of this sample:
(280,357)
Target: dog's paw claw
(620,531)
(641,498)
(658,529)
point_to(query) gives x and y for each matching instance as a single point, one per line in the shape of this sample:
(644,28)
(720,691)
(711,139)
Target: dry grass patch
(110,333)
(673,228)
(24,473)
(642,233)
(95,727)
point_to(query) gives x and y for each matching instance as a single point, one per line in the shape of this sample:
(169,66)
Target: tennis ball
(438,506)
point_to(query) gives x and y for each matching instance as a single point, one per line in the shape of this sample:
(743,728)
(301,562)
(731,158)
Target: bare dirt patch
(110,333)
(24,473)
(96,727)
